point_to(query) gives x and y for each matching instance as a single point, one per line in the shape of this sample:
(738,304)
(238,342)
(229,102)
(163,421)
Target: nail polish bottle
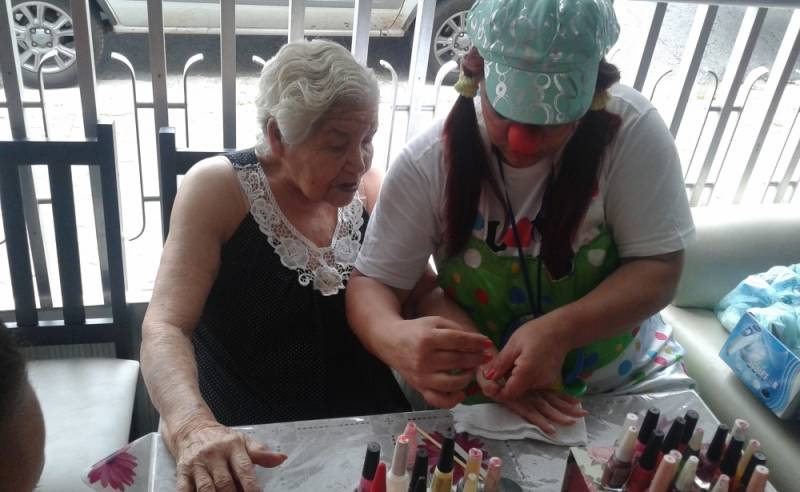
(674,435)
(664,475)
(690,420)
(649,424)
(758,482)
(709,460)
(686,476)
(752,446)
(730,459)
(618,468)
(645,468)
(722,485)
(758,458)
(695,444)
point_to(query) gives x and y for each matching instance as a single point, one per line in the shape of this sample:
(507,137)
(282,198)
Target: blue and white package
(764,364)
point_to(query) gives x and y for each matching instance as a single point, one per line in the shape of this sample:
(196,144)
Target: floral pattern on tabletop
(124,470)
(117,471)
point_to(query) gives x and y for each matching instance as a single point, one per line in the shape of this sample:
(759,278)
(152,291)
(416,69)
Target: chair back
(109,322)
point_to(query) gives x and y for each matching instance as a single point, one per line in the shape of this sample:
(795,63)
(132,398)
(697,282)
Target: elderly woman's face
(328,165)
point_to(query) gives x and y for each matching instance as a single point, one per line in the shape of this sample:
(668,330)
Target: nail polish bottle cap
(687,474)
(714,452)
(649,424)
(371,460)
(674,435)
(691,419)
(624,452)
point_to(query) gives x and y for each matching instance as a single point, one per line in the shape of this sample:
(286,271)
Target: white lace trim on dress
(325,268)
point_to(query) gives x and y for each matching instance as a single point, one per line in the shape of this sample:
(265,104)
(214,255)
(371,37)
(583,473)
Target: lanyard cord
(536,310)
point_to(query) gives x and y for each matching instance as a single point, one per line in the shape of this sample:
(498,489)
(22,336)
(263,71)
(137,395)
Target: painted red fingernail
(490,374)
(487,344)
(487,356)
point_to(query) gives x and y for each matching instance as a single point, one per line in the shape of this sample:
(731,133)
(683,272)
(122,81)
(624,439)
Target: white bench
(87,406)
(733,242)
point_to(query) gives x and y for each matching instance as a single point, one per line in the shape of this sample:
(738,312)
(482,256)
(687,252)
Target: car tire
(43,26)
(450,40)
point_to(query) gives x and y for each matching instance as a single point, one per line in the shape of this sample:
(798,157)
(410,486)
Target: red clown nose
(522,140)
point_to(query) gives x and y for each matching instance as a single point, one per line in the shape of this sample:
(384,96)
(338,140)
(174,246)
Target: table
(327,455)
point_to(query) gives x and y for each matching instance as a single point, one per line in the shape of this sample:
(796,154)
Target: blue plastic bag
(773,298)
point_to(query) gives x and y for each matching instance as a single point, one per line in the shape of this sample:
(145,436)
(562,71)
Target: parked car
(42,26)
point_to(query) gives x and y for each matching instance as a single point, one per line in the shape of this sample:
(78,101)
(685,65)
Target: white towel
(494,421)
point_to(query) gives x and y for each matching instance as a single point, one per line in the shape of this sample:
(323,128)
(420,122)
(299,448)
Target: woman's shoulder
(211,186)
(628,102)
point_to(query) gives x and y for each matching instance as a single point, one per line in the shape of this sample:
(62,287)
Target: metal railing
(708,161)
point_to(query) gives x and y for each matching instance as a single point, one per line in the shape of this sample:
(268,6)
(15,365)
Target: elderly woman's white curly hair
(303,82)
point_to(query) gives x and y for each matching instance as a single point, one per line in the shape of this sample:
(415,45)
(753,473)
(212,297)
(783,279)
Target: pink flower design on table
(464,440)
(116,471)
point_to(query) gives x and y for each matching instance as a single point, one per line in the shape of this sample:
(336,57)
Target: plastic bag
(773,298)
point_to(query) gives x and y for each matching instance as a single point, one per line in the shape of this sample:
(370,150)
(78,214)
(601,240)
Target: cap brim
(540,98)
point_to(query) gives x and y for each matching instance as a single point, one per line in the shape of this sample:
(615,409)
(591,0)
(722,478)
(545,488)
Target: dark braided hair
(469,172)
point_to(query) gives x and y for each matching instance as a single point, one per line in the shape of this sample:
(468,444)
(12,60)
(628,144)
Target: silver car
(42,26)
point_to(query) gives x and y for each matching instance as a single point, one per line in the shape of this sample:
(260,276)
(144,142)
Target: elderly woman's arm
(208,208)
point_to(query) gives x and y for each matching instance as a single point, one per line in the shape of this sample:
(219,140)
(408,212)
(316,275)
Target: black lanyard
(536,309)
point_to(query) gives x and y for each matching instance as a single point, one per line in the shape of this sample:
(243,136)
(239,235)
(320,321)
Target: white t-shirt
(641,198)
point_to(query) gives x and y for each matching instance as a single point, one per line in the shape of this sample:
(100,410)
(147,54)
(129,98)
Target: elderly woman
(247,321)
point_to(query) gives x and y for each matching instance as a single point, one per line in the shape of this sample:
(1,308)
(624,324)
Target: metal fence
(708,164)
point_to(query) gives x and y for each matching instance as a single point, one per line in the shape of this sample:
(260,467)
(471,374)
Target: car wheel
(450,40)
(42,26)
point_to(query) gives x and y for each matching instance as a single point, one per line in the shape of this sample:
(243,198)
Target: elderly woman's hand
(531,359)
(437,357)
(540,408)
(211,457)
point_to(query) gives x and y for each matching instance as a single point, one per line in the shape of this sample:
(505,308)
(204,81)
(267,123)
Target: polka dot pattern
(516,295)
(625,367)
(596,257)
(456,278)
(481,296)
(660,361)
(479,223)
(661,336)
(472,258)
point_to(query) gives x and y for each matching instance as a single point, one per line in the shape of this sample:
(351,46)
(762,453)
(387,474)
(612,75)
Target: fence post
(418,71)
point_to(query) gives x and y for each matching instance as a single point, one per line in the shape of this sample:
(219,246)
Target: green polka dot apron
(492,289)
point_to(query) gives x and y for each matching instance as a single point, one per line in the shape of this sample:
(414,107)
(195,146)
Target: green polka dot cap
(541,56)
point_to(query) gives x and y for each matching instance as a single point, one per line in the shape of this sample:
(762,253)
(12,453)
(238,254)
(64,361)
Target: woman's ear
(276,145)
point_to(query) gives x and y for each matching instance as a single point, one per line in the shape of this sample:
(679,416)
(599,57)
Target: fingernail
(490,374)
(487,344)
(487,356)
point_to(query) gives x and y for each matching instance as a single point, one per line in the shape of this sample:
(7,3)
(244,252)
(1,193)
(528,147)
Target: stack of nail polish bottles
(646,459)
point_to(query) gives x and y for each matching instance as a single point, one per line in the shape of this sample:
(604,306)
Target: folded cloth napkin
(494,421)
